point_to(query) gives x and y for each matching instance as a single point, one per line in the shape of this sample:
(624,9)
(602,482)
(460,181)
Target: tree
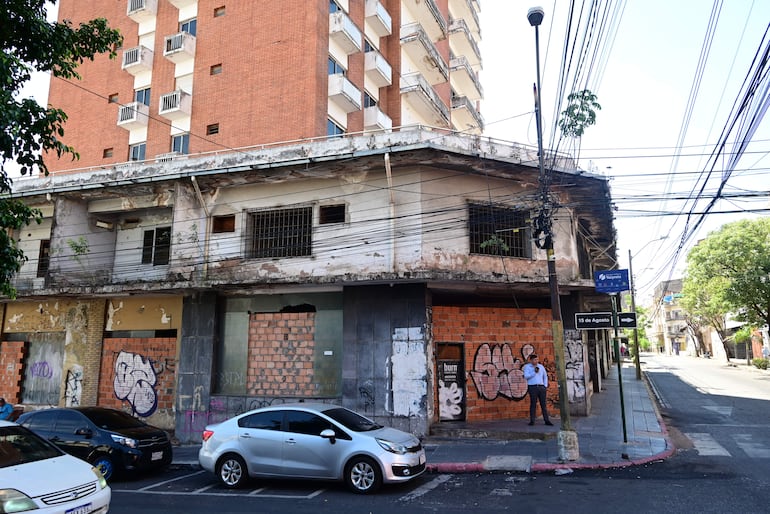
(579,114)
(729,272)
(28,130)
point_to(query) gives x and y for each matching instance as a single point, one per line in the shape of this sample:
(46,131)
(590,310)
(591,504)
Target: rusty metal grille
(499,230)
(281,233)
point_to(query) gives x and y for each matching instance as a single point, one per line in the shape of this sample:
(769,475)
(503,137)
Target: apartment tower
(197,76)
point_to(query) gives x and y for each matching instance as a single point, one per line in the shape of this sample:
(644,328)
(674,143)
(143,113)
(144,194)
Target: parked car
(112,440)
(310,441)
(37,476)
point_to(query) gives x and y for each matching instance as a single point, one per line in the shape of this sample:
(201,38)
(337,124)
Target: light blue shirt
(539,377)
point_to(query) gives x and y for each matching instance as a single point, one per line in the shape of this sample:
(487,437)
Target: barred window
(280,233)
(499,230)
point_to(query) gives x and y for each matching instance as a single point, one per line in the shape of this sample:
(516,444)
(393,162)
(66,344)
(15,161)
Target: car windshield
(351,420)
(18,446)
(109,419)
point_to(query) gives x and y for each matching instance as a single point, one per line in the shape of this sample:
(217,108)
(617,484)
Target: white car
(36,476)
(310,441)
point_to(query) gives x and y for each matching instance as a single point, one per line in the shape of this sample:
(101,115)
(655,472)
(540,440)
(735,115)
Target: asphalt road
(718,415)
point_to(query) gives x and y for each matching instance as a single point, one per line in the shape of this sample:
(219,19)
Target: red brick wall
(281,348)
(147,366)
(497,342)
(11,361)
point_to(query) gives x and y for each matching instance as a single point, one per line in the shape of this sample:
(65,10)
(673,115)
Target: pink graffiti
(497,373)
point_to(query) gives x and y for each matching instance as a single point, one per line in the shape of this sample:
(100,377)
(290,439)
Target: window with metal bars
(280,233)
(499,230)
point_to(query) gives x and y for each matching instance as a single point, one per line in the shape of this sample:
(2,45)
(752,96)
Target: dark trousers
(537,394)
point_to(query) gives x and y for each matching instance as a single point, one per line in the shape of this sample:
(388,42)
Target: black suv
(110,439)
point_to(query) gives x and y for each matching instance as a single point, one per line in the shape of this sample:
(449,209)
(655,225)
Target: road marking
(425,488)
(751,448)
(152,486)
(720,409)
(707,445)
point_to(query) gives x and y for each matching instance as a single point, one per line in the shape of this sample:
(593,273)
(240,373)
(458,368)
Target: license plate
(156,455)
(83,509)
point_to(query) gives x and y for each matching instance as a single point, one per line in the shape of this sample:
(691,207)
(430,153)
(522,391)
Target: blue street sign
(611,281)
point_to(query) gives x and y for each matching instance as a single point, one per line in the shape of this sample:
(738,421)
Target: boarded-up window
(222,224)
(43,369)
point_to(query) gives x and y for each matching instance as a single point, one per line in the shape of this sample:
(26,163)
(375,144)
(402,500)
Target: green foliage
(579,114)
(27,129)
(760,363)
(729,272)
(496,242)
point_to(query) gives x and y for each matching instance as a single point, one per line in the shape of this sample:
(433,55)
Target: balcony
(168,157)
(175,105)
(343,93)
(378,19)
(421,50)
(461,42)
(142,10)
(467,10)
(377,69)
(375,119)
(422,98)
(464,79)
(427,14)
(133,115)
(137,60)
(181,4)
(465,116)
(344,32)
(179,47)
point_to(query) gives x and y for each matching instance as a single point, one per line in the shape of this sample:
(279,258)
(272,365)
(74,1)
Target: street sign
(611,281)
(597,320)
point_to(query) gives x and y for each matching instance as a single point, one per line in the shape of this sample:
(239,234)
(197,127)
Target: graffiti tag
(497,373)
(135,381)
(41,369)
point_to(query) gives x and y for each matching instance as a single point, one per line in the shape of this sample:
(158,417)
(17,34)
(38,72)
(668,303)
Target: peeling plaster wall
(144,313)
(130,240)
(30,238)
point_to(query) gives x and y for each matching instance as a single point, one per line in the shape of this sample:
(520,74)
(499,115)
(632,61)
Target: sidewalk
(512,445)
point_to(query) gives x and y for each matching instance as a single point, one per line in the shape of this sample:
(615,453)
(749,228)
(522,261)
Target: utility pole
(567,439)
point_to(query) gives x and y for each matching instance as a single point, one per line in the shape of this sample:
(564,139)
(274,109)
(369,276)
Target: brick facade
(11,362)
(496,343)
(281,349)
(140,374)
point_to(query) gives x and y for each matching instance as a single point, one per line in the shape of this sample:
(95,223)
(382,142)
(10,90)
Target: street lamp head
(535,16)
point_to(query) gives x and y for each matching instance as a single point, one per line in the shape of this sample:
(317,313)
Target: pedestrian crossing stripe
(750,447)
(707,445)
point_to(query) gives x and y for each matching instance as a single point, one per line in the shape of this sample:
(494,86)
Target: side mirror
(329,434)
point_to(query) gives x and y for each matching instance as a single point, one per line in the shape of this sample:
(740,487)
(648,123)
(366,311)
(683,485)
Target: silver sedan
(310,441)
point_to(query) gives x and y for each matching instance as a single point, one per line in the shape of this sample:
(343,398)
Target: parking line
(152,486)
(425,488)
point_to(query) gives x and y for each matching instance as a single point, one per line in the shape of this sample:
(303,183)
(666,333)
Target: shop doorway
(451,386)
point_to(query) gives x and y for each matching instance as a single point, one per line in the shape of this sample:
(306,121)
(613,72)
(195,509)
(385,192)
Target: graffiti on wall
(135,381)
(41,369)
(496,372)
(575,365)
(74,386)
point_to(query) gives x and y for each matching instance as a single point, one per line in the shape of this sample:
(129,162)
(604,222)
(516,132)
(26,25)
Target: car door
(41,422)
(305,452)
(73,434)
(259,440)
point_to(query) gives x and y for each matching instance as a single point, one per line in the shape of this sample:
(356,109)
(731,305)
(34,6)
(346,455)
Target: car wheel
(104,464)
(231,470)
(363,475)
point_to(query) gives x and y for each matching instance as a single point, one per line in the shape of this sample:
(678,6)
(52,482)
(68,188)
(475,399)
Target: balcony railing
(375,119)
(377,69)
(465,116)
(179,47)
(423,53)
(427,14)
(466,10)
(378,19)
(133,115)
(464,79)
(344,32)
(141,10)
(137,60)
(343,93)
(424,100)
(462,42)
(175,105)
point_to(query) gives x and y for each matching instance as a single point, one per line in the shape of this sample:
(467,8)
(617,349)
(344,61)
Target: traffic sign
(597,320)
(611,281)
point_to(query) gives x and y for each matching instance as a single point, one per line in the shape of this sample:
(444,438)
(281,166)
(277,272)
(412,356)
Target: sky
(643,77)
(643,80)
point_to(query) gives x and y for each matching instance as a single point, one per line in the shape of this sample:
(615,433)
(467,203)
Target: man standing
(537,384)
(6,409)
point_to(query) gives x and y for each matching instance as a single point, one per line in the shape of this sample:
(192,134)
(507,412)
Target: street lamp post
(567,439)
